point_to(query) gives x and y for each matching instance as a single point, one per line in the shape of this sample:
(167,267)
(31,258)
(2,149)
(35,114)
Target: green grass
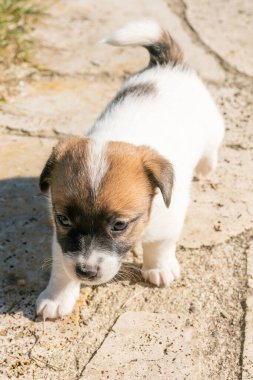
(16,20)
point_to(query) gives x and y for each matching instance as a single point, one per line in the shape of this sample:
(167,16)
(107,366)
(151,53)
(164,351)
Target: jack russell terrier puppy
(128,182)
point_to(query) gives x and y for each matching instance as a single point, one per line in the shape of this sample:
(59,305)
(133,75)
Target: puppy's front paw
(163,275)
(55,306)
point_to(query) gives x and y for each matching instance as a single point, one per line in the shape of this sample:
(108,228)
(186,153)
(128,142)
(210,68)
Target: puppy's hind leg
(160,265)
(214,136)
(208,163)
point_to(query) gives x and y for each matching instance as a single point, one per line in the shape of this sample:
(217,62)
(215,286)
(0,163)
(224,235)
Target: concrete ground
(201,327)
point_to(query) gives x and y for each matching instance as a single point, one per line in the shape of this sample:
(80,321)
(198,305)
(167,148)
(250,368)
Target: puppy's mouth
(99,269)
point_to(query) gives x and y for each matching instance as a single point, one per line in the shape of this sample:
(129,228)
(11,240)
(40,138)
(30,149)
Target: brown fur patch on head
(125,191)
(69,176)
(61,152)
(125,187)
(131,179)
(130,184)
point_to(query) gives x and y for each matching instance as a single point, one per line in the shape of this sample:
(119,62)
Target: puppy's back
(165,106)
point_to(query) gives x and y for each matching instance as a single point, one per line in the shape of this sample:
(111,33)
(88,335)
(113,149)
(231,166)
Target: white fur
(137,33)
(96,162)
(160,264)
(63,289)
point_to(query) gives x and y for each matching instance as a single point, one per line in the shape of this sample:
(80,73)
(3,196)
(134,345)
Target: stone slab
(226,27)
(91,21)
(144,345)
(49,108)
(88,73)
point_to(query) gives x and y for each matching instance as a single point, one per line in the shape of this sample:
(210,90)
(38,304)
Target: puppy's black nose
(86,271)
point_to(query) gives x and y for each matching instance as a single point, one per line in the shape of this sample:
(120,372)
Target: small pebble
(22,282)
(192,309)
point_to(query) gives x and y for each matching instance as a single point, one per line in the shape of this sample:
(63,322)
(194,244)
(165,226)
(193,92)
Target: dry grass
(17,17)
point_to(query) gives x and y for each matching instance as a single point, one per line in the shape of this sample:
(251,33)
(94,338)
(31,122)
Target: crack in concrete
(243,335)
(9,131)
(78,377)
(53,74)
(245,312)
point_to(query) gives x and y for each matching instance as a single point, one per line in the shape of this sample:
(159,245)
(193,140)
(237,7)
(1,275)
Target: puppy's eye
(63,220)
(119,226)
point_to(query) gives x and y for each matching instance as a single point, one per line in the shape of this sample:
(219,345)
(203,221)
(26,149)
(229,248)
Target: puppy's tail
(162,48)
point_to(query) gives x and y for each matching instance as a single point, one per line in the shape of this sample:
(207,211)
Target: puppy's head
(101,196)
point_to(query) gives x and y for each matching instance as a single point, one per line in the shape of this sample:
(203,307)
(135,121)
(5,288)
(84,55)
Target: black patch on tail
(165,51)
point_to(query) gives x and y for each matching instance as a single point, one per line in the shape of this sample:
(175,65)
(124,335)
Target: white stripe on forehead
(96,162)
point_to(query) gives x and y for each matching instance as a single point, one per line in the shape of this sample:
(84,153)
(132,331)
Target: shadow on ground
(24,244)
(25,247)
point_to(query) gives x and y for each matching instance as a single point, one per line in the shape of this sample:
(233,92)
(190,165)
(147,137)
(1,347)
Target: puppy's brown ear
(45,176)
(159,171)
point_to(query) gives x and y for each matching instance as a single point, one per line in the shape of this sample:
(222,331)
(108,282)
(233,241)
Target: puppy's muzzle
(87,272)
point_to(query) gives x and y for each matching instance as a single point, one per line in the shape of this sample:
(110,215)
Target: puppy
(128,182)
